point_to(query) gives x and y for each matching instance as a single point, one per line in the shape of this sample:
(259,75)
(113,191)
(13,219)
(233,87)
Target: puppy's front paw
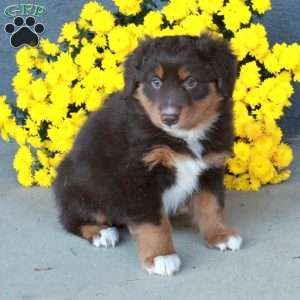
(164,265)
(233,242)
(107,237)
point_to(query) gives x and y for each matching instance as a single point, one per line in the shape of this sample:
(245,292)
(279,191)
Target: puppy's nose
(170,118)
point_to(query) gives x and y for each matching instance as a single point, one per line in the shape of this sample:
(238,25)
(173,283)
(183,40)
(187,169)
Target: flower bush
(59,84)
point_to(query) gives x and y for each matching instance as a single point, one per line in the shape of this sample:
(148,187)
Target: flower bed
(59,84)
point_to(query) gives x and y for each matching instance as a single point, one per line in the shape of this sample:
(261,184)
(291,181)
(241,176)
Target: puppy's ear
(133,66)
(220,56)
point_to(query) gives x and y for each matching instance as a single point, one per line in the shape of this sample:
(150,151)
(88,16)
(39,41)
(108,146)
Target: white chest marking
(186,182)
(187,176)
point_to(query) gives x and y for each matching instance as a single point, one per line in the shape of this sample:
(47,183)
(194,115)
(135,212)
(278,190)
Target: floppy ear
(220,56)
(133,65)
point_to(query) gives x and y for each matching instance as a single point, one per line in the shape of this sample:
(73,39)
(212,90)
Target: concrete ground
(38,260)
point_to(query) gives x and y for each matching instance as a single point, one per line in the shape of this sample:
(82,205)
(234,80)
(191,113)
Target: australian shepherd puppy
(155,147)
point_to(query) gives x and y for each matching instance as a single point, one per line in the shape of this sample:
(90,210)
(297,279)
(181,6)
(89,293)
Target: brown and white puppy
(153,148)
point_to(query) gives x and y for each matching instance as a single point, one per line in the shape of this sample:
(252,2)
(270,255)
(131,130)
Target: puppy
(153,148)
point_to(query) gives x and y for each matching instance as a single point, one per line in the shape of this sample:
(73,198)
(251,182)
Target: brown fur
(216,160)
(159,72)
(201,112)
(90,231)
(104,171)
(209,216)
(183,73)
(163,155)
(153,240)
(150,108)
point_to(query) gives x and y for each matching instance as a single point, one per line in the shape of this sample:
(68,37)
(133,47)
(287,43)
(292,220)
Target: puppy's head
(181,81)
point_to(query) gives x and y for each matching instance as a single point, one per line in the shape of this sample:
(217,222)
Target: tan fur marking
(153,240)
(216,160)
(164,155)
(210,218)
(150,108)
(183,73)
(89,231)
(159,72)
(202,111)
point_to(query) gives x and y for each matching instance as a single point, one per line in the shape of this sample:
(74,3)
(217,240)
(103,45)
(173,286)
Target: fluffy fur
(112,176)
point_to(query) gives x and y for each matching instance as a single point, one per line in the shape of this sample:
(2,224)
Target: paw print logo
(24,32)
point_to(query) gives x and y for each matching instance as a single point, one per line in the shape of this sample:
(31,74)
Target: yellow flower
(242,151)
(229,181)
(24,177)
(237,166)
(42,158)
(152,21)
(25,57)
(271,63)
(23,158)
(87,67)
(249,75)
(212,6)
(178,9)
(121,41)
(196,24)
(102,21)
(282,156)
(22,80)
(253,130)
(255,184)
(66,67)
(90,9)
(48,47)
(20,135)
(261,168)
(251,40)
(261,6)
(129,7)
(43,178)
(263,146)
(38,90)
(282,176)
(235,13)
(87,56)
(69,32)
(288,56)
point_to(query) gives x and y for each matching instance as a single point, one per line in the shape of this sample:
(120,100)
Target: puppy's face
(179,95)
(181,81)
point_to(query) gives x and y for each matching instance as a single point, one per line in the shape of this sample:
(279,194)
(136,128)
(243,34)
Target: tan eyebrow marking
(183,73)
(159,71)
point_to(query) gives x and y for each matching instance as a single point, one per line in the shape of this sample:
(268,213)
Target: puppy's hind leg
(100,235)
(96,230)
(79,216)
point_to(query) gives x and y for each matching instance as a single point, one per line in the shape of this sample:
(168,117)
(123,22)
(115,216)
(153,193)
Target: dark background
(282,22)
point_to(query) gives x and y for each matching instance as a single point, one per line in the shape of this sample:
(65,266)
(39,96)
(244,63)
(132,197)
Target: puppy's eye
(190,83)
(156,83)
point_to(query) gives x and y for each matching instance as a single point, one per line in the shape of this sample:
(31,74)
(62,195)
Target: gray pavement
(38,260)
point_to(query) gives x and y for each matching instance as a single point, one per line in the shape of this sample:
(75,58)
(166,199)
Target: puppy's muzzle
(170,116)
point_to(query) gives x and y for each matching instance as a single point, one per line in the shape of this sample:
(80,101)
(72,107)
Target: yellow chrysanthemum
(261,6)
(75,76)
(282,156)
(261,168)
(129,7)
(48,47)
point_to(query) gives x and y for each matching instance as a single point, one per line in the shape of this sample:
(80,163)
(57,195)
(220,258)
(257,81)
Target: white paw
(107,237)
(233,243)
(165,265)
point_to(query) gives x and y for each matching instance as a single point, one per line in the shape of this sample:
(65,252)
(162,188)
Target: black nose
(170,119)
